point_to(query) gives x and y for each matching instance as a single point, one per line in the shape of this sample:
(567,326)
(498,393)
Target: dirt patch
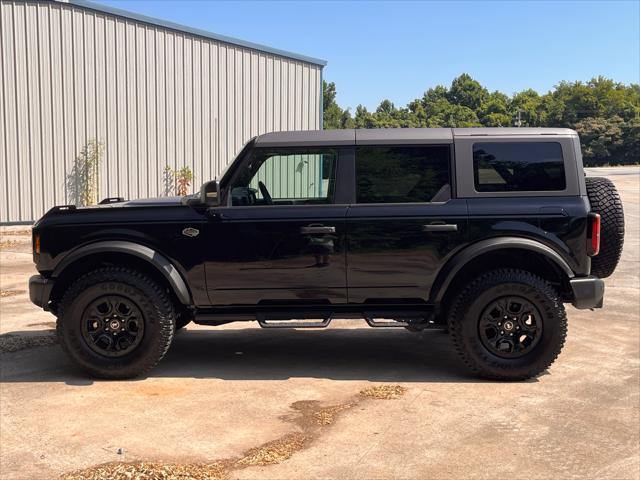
(309,415)
(10,293)
(12,342)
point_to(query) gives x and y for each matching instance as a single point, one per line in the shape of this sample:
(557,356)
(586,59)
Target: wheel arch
(119,251)
(499,252)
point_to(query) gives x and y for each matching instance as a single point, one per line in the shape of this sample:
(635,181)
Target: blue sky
(397,50)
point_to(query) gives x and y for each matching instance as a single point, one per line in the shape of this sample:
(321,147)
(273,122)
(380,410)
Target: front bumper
(588,292)
(40,291)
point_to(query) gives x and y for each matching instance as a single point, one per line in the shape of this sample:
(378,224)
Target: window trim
(465,174)
(450,171)
(342,161)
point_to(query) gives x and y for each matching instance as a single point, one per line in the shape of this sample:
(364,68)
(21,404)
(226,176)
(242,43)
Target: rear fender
(448,272)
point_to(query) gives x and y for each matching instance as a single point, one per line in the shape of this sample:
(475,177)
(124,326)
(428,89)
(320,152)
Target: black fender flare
(447,273)
(157,260)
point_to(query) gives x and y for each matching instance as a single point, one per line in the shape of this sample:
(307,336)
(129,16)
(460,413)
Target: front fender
(157,260)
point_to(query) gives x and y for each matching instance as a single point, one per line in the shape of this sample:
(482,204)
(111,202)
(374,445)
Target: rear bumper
(588,292)
(40,291)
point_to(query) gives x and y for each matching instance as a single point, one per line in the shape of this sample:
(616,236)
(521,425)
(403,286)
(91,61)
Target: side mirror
(209,194)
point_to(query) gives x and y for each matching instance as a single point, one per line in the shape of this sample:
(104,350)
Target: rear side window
(518,167)
(402,174)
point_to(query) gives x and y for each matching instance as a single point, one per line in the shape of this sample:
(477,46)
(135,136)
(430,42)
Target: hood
(72,214)
(140,202)
(149,202)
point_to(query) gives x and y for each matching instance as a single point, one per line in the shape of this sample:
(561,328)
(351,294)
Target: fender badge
(190,232)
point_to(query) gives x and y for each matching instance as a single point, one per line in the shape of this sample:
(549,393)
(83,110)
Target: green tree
(334,117)
(600,138)
(605,113)
(467,92)
(496,111)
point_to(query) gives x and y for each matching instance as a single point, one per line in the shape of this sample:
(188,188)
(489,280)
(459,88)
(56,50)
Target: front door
(404,224)
(281,236)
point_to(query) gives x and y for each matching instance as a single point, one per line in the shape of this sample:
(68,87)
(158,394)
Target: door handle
(316,229)
(440,227)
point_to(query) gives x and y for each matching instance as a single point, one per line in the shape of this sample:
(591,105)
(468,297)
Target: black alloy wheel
(112,325)
(510,327)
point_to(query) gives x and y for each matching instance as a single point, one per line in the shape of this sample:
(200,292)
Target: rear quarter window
(518,166)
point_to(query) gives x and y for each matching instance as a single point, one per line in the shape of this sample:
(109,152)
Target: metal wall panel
(154,97)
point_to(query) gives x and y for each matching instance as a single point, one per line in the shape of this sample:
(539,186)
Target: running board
(381,319)
(384,323)
(281,320)
(412,317)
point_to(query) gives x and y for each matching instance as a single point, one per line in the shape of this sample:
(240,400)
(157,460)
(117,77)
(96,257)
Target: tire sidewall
(550,342)
(605,200)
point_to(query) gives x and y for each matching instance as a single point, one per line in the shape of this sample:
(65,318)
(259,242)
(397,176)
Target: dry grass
(327,416)
(9,244)
(270,453)
(23,232)
(383,392)
(273,452)
(150,471)
(10,293)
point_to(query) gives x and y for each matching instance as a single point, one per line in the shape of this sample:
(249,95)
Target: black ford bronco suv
(484,232)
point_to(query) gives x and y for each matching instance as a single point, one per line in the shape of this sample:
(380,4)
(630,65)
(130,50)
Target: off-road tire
(604,200)
(153,302)
(466,310)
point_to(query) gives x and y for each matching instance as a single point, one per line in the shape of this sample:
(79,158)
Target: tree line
(606,114)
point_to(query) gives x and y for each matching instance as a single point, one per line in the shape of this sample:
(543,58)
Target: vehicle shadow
(367,354)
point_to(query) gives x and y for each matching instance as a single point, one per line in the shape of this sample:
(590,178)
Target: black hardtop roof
(390,136)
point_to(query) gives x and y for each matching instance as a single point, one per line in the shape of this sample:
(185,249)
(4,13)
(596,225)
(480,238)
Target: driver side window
(286,177)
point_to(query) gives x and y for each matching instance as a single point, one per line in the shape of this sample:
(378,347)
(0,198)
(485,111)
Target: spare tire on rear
(605,201)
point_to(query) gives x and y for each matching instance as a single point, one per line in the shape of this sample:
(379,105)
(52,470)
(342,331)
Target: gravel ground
(347,402)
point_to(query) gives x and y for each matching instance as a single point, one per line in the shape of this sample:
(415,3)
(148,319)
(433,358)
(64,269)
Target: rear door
(404,223)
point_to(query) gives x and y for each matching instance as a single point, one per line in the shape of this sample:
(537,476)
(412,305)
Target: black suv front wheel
(508,325)
(116,322)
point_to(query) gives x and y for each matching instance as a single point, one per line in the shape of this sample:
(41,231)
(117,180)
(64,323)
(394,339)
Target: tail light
(593,239)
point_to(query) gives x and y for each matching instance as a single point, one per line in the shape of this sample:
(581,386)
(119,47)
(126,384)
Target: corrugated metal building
(152,92)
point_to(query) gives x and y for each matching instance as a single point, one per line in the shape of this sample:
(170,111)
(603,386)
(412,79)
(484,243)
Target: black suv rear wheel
(508,325)
(115,322)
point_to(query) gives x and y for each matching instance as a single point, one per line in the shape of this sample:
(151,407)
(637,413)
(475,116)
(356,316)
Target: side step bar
(381,319)
(385,323)
(282,320)
(319,317)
